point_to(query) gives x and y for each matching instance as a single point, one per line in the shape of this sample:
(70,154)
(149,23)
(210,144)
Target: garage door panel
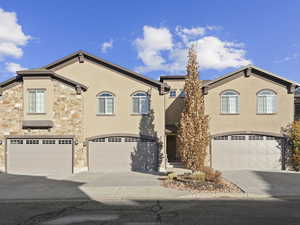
(40,159)
(256,154)
(122,156)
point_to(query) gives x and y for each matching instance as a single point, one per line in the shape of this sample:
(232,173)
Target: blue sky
(151,37)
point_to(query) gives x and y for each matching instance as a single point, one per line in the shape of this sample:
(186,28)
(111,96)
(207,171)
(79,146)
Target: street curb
(196,196)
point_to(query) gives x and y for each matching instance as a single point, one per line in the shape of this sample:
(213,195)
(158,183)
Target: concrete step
(175,165)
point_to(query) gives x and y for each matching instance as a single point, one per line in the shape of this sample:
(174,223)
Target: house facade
(248,110)
(84,113)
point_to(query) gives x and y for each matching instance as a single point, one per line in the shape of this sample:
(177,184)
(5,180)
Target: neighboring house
(82,112)
(247,111)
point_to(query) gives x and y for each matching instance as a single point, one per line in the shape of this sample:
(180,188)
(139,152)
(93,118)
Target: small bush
(212,175)
(172,176)
(198,176)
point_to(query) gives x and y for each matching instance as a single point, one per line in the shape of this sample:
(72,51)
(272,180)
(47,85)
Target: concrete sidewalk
(276,184)
(85,186)
(100,186)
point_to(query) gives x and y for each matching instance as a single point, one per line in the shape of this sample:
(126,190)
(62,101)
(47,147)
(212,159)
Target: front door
(171,148)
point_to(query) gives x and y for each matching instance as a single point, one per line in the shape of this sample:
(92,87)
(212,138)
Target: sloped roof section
(254,69)
(39,72)
(82,55)
(44,72)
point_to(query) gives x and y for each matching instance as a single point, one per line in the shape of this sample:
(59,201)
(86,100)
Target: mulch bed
(182,183)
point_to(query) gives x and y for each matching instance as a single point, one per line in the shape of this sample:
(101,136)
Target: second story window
(266,102)
(140,103)
(173,93)
(230,102)
(105,103)
(182,94)
(36,101)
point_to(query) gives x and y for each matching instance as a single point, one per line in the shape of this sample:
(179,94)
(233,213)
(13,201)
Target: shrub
(212,175)
(198,176)
(172,176)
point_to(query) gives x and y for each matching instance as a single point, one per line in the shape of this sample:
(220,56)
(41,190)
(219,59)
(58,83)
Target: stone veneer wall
(67,118)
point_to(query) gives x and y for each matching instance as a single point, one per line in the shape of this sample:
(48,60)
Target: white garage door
(254,152)
(40,156)
(121,154)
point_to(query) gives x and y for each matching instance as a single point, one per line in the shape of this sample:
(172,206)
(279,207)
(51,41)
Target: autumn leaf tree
(295,141)
(193,133)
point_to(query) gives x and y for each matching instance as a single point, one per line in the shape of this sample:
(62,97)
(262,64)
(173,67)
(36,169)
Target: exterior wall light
(76,142)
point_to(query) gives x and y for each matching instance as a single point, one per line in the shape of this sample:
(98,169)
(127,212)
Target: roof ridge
(103,61)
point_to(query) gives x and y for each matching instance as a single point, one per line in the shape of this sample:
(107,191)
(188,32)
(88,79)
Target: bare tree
(193,134)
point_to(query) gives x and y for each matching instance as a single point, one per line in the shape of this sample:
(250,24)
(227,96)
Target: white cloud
(13,67)
(106,45)
(188,34)
(159,51)
(151,46)
(12,37)
(214,53)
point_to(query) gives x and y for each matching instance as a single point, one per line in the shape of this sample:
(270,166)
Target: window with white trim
(173,93)
(230,102)
(105,103)
(181,93)
(36,101)
(266,102)
(140,103)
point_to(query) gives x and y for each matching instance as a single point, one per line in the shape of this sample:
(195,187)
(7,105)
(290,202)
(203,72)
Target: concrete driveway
(266,183)
(85,186)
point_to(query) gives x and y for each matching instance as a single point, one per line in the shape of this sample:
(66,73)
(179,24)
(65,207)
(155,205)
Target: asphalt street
(144,212)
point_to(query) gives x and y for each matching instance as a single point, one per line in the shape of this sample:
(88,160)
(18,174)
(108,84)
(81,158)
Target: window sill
(36,113)
(139,114)
(225,114)
(105,114)
(266,114)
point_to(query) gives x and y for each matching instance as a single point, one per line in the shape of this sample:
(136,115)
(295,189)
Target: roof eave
(52,74)
(252,67)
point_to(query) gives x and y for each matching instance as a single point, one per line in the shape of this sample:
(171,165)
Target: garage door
(254,152)
(121,154)
(40,156)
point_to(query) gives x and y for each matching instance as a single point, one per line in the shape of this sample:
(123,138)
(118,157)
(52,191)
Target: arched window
(266,102)
(105,103)
(230,102)
(140,103)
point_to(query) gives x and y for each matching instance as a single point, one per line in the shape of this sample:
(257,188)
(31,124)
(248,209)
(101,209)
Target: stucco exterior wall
(66,113)
(248,119)
(174,106)
(98,79)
